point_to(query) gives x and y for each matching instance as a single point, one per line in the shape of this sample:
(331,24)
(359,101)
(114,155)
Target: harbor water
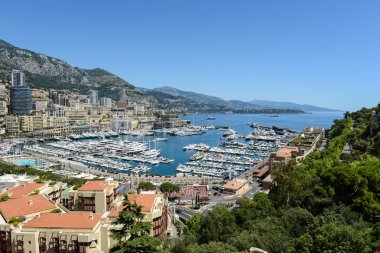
(173,147)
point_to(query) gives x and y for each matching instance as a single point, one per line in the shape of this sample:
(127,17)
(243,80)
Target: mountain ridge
(289,105)
(238,104)
(43,71)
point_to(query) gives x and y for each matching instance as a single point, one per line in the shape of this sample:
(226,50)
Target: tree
(132,233)
(169,187)
(341,238)
(146,186)
(217,225)
(257,208)
(212,247)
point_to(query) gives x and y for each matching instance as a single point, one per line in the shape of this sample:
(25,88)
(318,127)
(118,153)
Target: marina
(114,153)
(194,150)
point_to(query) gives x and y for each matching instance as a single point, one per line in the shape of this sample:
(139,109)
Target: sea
(173,148)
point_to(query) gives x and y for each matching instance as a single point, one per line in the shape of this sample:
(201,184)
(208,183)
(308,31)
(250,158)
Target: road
(185,213)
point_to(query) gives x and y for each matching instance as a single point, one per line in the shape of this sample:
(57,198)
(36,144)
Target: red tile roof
(95,186)
(25,205)
(144,200)
(22,190)
(235,184)
(65,221)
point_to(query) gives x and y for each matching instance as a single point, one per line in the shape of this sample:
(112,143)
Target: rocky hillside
(48,72)
(42,71)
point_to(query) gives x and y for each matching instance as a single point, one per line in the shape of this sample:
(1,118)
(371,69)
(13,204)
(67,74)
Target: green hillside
(328,203)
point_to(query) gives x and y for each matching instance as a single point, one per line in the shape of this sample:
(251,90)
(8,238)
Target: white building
(121,125)
(94,97)
(107,102)
(18,78)
(138,110)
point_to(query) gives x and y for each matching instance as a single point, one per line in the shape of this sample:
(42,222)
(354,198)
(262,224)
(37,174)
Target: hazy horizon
(319,53)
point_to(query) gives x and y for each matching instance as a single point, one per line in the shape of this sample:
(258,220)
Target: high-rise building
(107,102)
(21,100)
(21,96)
(54,96)
(18,78)
(94,97)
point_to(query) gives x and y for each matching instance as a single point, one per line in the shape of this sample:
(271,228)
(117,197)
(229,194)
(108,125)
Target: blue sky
(323,52)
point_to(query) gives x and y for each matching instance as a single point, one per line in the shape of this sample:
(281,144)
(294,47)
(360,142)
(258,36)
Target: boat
(151,153)
(160,139)
(273,115)
(229,132)
(196,157)
(210,117)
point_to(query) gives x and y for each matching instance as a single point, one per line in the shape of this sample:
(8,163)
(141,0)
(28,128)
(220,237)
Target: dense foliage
(168,187)
(328,203)
(132,232)
(146,186)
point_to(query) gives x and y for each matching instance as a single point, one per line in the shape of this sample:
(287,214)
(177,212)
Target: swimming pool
(25,162)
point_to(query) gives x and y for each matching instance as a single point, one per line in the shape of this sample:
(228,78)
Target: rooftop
(145,200)
(96,186)
(22,190)
(25,206)
(235,184)
(262,171)
(286,152)
(65,221)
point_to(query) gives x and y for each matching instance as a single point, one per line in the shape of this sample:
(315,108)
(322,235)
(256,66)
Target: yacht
(151,153)
(160,139)
(229,132)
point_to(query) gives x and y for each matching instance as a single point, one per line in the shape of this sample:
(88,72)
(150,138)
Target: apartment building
(63,232)
(3,107)
(26,123)
(77,116)
(146,123)
(44,232)
(93,196)
(12,124)
(106,102)
(40,104)
(155,209)
(48,125)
